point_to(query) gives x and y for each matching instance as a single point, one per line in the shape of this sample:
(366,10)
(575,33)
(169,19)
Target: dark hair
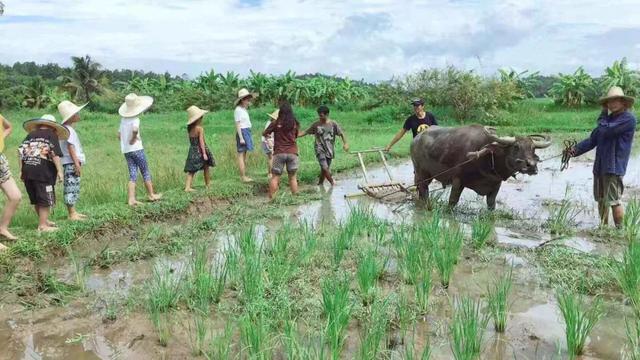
(286,117)
(193,124)
(323,109)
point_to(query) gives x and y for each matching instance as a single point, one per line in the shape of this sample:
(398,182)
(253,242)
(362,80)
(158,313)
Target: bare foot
(51,223)
(134,203)
(3,248)
(77,217)
(155,197)
(47,228)
(189,190)
(6,234)
(246,179)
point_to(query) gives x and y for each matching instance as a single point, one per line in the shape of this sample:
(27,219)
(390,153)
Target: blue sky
(372,39)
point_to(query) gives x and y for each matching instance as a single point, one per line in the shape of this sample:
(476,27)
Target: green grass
(578,318)
(562,217)
(627,274)
(633,338)
(481,229)
(467,329)
(498,300)
(337,310)
(254,336)
(631,221)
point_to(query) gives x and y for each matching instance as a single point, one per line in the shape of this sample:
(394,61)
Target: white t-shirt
(127,127)
(241,115)
(75,141)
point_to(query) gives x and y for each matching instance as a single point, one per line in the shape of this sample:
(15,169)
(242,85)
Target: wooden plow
(378,191)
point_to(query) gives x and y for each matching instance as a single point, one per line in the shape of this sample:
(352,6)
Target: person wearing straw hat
(244,141)
(612,138)
(8,186)
(131,145)
(267,142)
(73,158)
(40,165)
(199,157)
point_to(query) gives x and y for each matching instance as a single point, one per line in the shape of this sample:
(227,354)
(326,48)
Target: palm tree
(620,75)
(84,80)
(36,94)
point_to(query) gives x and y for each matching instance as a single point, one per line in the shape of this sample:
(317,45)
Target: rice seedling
(232,265)
(198,330)
(404,315)
(467,329)
(220,345)
(309,244)
(410,254)
(498,300)
(278,265)
(252,278)
(423,289)
(579,320)
(360,219)
(374,330)
(163,293)
(446,252)
(409,352)
(162,325)
(341,243)
(337,309)
(367,274)
(80,270)
(562,218)
(480,232)
(253,334)
(207,277)
(633,338)
(627,273)
(631,221)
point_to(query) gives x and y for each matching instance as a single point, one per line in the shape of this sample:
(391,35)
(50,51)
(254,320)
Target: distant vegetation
(469,95)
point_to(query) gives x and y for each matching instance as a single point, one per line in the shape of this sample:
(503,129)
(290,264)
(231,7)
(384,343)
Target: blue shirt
(612,139)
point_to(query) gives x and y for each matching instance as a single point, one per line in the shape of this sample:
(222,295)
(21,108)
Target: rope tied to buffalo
(567,153)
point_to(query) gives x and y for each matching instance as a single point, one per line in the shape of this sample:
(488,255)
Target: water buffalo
(495,159)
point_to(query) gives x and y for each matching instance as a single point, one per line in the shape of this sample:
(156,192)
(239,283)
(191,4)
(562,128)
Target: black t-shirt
(37,152)
(418,125)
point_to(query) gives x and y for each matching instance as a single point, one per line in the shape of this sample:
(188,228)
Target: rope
(566,153)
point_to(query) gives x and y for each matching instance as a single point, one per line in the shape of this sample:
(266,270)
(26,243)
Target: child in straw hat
(131,145)
(267,142)
(199,157)
(8,186)
(612,139)
(40,165)
(73,158)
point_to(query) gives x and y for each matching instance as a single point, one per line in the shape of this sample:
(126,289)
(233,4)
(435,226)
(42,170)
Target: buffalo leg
(423,188)
(491,198)
(456,191)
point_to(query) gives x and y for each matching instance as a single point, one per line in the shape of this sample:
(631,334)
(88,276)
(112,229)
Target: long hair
(194,124)
(286,117)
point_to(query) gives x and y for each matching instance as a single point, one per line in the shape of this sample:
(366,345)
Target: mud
(534,330)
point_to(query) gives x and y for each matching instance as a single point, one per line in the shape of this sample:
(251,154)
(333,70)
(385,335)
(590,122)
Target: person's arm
(340,133)
(610,130)
(203,150)
(134,136)
(239,132)
(74,157)
(7,128)
(269,129)
(585,145)
(56,161)
(396,138)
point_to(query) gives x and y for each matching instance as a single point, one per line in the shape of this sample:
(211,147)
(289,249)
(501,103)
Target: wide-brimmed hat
(274,115)
(616,92)
(67,109)
(244,93)
(47,120)
(195,113)
(135,105)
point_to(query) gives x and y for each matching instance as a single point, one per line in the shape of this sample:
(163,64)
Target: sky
(372,40)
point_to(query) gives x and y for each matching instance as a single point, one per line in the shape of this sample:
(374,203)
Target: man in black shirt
(417,122)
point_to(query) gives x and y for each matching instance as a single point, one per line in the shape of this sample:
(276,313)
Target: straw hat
(274,115)
(243,93)
(616,93)
(135,105)
(47,120)
(195,113)
(67,109)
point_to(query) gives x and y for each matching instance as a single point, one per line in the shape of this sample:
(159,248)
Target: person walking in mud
(612,139)
(285,132)
(325,131)
(417,123)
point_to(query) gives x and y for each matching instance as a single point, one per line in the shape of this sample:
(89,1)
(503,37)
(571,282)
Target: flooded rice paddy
(535,329)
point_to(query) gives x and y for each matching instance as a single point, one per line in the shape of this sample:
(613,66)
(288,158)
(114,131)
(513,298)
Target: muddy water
(535,329)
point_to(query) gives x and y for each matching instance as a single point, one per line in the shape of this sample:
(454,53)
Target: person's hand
(205,157)
(133,141)
(78,170)
(387,148)
(60,178)
(241,141)
(572,152)
(345,147)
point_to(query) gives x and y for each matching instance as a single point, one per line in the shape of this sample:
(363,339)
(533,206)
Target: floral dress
(195,161)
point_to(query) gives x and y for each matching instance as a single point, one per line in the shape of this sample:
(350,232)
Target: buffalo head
(520,155)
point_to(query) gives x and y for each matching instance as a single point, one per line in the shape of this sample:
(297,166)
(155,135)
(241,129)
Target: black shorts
(40,193)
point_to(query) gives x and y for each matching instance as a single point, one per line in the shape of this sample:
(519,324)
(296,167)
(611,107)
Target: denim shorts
(248,141)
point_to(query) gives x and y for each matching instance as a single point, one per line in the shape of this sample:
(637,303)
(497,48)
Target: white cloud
(372,39)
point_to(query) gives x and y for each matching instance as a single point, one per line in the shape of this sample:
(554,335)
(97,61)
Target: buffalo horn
(504,140)
(540,141)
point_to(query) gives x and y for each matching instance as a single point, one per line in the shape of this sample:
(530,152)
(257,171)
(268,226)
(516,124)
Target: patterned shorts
(71,185)
(137,160)
(5,173)
(280,161)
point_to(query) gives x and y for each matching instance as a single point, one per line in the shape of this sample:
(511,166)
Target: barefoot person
(8,185)
(40,165)
(612,139)
(131,145)
(244,141)
(199,157)
(418,122)
(73,158)
(267,142)
(285,149)
(325,131)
